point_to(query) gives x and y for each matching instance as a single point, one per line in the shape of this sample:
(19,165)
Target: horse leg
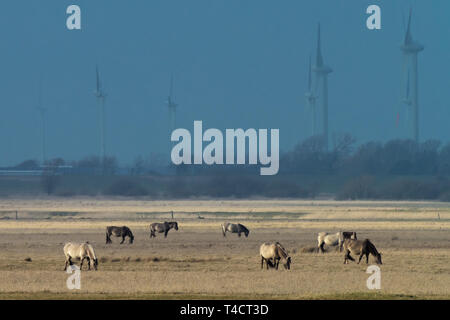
(367,258)
(350,257)
(81,263)
(165,233)
(262,262)
(360,257)
(123,239)
(321,247)
(89,263)
(347,257)
(65,267)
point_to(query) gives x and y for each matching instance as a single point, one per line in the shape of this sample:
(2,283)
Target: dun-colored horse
(119,232)
(361,248)
(334,239)
(162,227)
(82,251)
(276,252)
(234,228)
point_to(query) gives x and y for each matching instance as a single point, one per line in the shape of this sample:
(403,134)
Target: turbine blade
(309,75)
(403,22)
(407,86)
(171,86)
(408,38)
(40,93)
(319,58)
(98,79)
(405,75)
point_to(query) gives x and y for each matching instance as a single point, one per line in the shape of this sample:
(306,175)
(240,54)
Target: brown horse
(119,232)
(361,248)
(234,228)
(162,227)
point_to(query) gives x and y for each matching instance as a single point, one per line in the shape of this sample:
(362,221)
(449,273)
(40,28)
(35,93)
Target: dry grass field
(198,262)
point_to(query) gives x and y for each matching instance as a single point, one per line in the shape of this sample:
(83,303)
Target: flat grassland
(197,262)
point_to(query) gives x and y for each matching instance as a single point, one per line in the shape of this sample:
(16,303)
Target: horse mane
(371,247)
(129,233)
(243,227)
(281,250)
(90,251)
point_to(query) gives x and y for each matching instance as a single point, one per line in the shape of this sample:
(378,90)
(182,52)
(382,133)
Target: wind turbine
(43,113)
(410,50)
(321,70)
(101,97)
(311,100)
(172,106)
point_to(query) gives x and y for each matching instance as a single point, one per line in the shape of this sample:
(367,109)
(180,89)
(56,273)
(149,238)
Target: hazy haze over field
(235,65)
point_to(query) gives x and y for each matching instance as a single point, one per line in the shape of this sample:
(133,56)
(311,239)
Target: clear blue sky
(236,64)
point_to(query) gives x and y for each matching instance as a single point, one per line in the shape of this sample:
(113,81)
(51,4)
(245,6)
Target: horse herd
(271,253)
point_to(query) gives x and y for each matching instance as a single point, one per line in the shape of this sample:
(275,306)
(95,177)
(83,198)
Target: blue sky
(236,64)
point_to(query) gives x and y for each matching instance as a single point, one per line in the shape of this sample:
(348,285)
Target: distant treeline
(395,157)
(397,169)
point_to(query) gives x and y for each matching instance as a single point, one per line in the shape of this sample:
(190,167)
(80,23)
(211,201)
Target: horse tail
(91,252)
(108,239)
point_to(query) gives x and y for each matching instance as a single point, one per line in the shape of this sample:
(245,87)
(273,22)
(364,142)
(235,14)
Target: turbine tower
(43,113)
(410,50)
(101,97)
(321,70)
(172,106)
(311,101)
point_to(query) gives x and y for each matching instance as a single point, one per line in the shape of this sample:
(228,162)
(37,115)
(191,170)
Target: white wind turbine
(101,97)
(172,106)
(410,50)
(43,114)
(311,100)
(321,70)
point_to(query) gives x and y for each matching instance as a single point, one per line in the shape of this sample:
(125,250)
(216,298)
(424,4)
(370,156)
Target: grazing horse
(275,251)
(234,228)
(118,232)
(162,227)
(335,239)
(82,251)
(361,248)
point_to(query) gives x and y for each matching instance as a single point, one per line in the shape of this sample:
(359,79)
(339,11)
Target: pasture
(197,262)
